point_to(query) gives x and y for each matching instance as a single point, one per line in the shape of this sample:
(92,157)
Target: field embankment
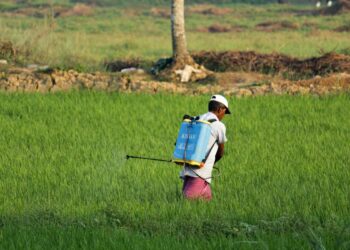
(243,77)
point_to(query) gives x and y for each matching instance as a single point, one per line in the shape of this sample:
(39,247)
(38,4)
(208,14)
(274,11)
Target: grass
(65,182)
(118,32)
(73,238)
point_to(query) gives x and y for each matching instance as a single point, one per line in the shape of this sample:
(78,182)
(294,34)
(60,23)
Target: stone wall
(24,80)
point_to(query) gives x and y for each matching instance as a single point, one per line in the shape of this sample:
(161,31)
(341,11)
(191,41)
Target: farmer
(197,180)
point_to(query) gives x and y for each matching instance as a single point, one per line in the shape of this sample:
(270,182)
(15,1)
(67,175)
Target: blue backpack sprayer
(191,146)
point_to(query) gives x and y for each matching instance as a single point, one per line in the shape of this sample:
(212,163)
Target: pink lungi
(196,188)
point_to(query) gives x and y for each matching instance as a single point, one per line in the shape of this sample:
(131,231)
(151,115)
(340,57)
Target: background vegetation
(149,2)
(139,31)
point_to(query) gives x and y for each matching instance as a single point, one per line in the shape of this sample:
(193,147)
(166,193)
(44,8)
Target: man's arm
(220,152)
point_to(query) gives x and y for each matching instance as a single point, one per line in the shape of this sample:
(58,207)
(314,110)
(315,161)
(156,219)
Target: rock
(17,70)
(61,83)
(231,92)
(321,90)
(33,66)
(40,68)
(11,88)
(257,90)
(44,85)
(293,89)
(45,69)
(133,70)
(2,87)
(113,86)
(3,62)
(3,84)
(160,65)
(187,72)
(73,72)
(276,88)
(244,92)
(13,80)
(29,88)
(100,85)
(55,89)
(135,86)
(304,90)
(86,83)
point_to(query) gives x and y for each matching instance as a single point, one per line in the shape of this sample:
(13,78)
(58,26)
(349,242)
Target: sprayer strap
(211,148)
(212,120)
(205,179)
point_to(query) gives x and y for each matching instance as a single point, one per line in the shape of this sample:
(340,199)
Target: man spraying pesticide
(199,145)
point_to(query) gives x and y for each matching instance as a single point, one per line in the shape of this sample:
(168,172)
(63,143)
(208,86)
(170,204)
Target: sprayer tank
(192,142)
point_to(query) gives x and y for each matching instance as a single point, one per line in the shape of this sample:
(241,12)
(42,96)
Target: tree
(181,65)
(181,56)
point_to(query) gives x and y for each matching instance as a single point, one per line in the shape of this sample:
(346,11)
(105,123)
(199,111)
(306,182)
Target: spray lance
(182,151)
(147,158)
(167,161)
(191,147)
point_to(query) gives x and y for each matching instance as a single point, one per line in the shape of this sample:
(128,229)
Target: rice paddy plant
(63,173)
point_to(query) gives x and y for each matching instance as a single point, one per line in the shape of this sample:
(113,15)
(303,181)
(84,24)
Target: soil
(339,7)
(161,12)
(276,26)
(343,28)
(118,65)
(207,9)
(45,10)
(201,9)
(219,28)
(274,63)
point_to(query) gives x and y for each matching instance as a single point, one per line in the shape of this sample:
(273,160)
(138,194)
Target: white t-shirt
(218,133)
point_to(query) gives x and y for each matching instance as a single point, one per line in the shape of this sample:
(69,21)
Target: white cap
(222,100)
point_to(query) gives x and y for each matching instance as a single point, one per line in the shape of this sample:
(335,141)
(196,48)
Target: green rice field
(65,182)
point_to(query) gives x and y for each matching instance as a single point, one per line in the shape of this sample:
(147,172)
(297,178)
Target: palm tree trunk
(181,56)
